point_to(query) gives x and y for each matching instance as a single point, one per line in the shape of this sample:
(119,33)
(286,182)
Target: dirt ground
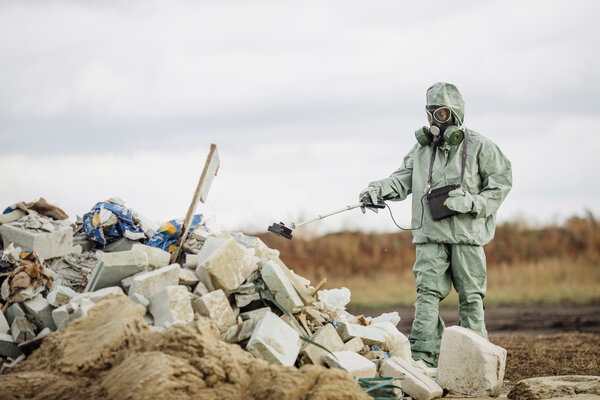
(540,340)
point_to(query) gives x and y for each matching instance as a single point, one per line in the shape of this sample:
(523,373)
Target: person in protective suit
(449,247)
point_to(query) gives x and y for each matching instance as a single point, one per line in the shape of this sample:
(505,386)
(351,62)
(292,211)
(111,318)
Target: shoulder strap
(462,166)
(464,156)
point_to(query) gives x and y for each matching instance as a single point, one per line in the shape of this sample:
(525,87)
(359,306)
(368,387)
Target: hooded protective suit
(450,250)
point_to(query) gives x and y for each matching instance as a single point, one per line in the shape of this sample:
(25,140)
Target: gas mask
(442,128)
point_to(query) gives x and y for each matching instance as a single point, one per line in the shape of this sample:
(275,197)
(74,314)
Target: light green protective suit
(450,251)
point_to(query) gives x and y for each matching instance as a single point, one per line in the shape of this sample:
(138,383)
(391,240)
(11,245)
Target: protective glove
(373,193)
(460,201)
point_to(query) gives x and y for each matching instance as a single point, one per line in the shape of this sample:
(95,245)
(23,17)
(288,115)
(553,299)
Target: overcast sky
(307,102)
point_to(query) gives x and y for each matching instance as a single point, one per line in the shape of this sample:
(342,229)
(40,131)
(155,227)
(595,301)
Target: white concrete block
(114,267)
(187,277)
(149,283)
(226,262)
(351,362)
(243,299)
(240,331)
(41,312)
(327,337)
(13,311)
(22,330)
(255,314)
(45,244)
(260,248)
(216,306)
(469,365)
(205,278)
(274,341)
(4,327)
(171,306)
(355,344)
(369,335)
(157,258)
(416,384)
(200,289)
(97,295)
(8,347)
(138,298)
(60,295)
(281,287)
(191,260)
(61,316)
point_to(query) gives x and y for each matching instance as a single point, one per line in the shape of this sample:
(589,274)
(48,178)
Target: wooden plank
(211,167)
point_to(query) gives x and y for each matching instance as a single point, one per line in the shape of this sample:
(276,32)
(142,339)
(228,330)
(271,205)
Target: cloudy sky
(307,101)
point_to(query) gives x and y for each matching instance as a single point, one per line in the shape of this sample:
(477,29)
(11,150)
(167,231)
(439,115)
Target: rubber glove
(460,201)
(373,193)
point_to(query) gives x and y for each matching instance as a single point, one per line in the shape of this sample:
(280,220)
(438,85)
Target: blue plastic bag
(108,221)
(166,236)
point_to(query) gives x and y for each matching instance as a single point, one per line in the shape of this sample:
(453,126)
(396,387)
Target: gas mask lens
(440,115)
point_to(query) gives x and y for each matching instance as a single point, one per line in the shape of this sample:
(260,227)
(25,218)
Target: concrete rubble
(53,274)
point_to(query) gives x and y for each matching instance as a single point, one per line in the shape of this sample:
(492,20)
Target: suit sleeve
(496,174)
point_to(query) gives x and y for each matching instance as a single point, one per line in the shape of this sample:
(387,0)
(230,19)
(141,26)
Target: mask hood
(446,94)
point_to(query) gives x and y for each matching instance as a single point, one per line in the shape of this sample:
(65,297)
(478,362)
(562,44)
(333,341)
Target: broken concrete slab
(547,387)
(149,283)
(171,305)
(138,298)
(260,248)
(281,287)
(40,312)
(191,260)
(301,288)
(215,305)
(469,365)
(369,335)
(239,332)
(157,258)
(200,289)
(416,384)
(351,362)
(4,326)
(274,341)
(114,267)
(327,337)
(60,295)
(255,314)
(227,263)
(13,311)
(121,244)
(187,277)
(8,346)
(355,344)
(45,244)
(243,299)
(22,330)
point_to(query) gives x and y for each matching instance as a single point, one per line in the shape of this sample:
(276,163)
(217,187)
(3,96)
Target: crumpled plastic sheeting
(334,299)
(110,220)
(27,280)
(41,206)
(166,236)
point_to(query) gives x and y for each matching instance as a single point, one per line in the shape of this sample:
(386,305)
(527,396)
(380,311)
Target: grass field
(545,282)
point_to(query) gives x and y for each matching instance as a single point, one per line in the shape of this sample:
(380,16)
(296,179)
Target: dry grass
(545,282)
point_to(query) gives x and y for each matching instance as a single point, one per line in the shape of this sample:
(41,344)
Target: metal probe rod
(347,208)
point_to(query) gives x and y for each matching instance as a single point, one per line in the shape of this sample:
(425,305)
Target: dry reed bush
(356,252)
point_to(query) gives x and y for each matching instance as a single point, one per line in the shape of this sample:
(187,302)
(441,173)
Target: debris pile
(227,292)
